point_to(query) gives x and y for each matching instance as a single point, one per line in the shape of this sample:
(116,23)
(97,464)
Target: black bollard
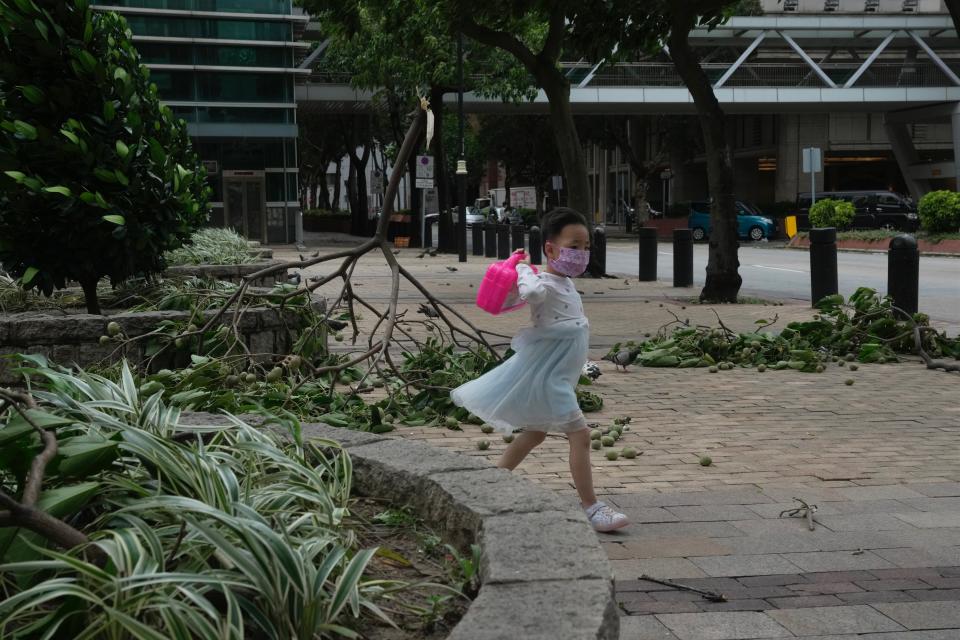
(648,254)
(903,273)
(516,237)
(682,258)
(489,240)
(477,239)
(598,249)
(503,241)
(823,263)
(428,236)
(536,246)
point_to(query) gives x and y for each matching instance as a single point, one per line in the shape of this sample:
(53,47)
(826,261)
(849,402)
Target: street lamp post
(462,162)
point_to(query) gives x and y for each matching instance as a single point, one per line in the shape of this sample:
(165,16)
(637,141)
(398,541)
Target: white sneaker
(603,518)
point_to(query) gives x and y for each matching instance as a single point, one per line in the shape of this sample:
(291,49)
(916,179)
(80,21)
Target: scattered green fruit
(595,445)
(486,429)
(596,434)
(113,329)
(613,455)
(338,337)
(848,382)
(274,374)
(849,357)
(607,441)
(104,339)
(483,445)
(854,367)
(508,438)
(819,368)
(713,369)
(250,378)
(761,368)
(231,380)
(706,461)
(630,453)
(451,423)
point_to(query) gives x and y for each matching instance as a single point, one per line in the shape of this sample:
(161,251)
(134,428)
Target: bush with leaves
(939,212)
(97,177)
(212,246)
(213,531)
(832,213)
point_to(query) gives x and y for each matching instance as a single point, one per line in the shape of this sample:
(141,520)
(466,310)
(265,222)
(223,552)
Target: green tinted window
(244,87)
(172,85)
(235,6)
(231,114)
(199,28)
(163,53)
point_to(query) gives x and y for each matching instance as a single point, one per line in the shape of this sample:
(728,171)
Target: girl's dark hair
(553,221)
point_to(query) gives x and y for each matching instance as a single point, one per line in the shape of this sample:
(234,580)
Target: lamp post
(462,161)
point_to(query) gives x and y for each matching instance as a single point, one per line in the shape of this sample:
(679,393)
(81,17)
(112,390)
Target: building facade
(229,69)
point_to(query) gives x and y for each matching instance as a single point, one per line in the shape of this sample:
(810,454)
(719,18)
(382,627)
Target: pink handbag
(498,291)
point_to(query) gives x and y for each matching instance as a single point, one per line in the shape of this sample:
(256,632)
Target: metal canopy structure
(773,63)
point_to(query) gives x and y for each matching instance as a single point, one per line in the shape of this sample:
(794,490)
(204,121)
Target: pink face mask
(571,262)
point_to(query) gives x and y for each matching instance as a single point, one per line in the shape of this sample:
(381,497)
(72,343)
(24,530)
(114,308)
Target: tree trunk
(557,88)
(362,219)
(322,196)
(337,179)
(723,277)
(507,183)
(89,286)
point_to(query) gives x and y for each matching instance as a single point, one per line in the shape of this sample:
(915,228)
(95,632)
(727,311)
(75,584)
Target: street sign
(376,183)
(812,164)
(424,183)
(431,203)
(557,183)
(812,160)
(424,168)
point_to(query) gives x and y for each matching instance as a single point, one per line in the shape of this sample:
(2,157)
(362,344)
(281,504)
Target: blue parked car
(751,224)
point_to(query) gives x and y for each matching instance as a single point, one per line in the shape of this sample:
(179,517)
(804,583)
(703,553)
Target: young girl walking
(535,389)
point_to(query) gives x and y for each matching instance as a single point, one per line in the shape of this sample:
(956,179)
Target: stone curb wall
(544,575)
(75,339)
(229,272)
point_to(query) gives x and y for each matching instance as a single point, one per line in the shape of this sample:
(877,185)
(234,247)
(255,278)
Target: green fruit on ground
(848,382)
(472,419)
(613,455)
(853,367)
(338,337)
(486,429)
(607,441)
(595,445)
(706,461)
(630,453)
(113,329)
(274,374)
(104,339)
(508,438)
(250,378)
(761,368)
(881,360)
(850,357)
(451,423)
(819,368)
(483,445)
(231,380)
(841,363)
(713,369)
(596,434)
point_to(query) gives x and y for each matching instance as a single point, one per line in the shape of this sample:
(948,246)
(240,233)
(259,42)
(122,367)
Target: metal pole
(903,273)
(823,263)
(462,162)
(682,258)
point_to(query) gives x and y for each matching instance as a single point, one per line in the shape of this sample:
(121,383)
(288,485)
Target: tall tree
(525,146)
(403,46)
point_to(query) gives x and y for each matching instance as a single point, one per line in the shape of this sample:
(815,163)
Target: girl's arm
(530,285)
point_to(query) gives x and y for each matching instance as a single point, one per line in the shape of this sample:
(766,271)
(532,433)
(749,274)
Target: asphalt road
(776,272)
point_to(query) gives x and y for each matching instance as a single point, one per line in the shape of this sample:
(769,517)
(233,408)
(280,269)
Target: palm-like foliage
(210,532)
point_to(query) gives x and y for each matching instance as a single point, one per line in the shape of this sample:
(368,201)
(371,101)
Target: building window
(230,56)
(232,6)
(201,28)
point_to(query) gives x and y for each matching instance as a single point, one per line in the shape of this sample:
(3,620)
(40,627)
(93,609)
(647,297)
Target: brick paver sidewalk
(879,459)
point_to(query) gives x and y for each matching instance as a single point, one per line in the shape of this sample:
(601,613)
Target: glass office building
(228,68)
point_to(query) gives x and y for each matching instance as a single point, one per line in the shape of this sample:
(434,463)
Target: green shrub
(97,177)
(212,246)
(831,213)
(939,211)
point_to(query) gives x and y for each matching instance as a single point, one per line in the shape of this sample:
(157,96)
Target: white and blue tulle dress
(535,389)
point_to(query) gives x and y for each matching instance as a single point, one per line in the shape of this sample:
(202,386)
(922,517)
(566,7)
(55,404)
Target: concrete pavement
(878,458)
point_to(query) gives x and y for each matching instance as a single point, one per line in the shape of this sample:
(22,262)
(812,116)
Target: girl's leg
(580,466)
(517,450)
